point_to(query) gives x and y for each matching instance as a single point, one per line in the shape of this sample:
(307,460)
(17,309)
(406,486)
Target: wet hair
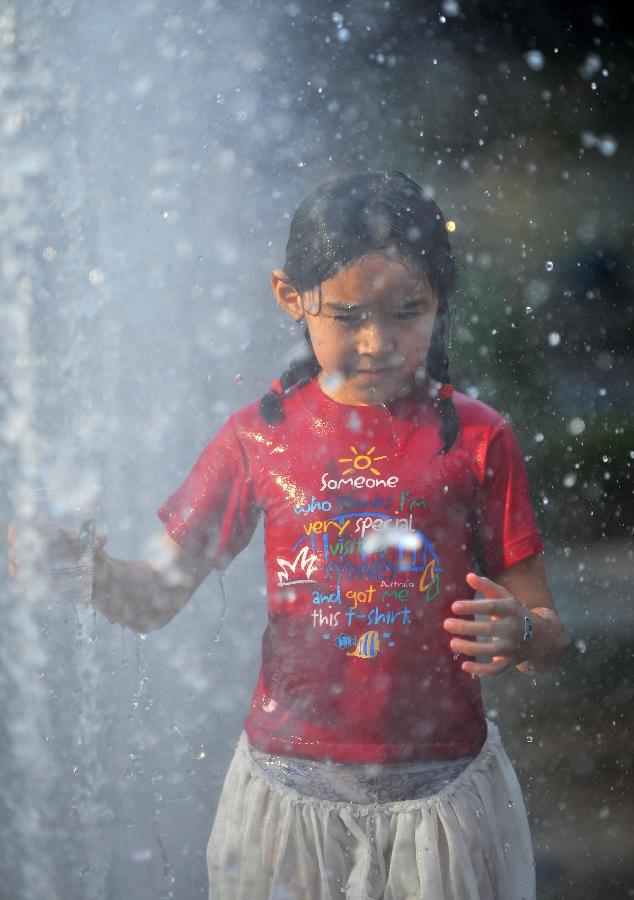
(350,217)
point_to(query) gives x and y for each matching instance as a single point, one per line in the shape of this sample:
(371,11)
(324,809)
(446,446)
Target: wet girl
(367,768)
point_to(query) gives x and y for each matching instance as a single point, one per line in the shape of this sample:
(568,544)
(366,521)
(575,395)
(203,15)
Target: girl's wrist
(100,597)
(543,640)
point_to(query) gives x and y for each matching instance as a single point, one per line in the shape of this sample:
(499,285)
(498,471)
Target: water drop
(576,426)
(608,145)
(96,276)
(535,60)
(451,7)
(550,266)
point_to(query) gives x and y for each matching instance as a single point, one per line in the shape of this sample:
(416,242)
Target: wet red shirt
(369,534)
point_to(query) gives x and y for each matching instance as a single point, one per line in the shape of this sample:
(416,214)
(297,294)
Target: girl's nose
(376,340)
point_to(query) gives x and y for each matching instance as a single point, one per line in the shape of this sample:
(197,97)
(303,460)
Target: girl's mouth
(375,373)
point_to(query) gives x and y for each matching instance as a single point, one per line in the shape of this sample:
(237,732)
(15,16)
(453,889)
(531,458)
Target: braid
(299,372)
(438,369)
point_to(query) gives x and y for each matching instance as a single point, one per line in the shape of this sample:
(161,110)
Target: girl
(367,768)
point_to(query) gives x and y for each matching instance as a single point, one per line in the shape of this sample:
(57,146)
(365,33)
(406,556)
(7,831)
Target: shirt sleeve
(507,532)
(214,509)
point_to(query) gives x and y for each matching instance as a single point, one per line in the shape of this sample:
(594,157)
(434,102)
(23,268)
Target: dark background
(153,153)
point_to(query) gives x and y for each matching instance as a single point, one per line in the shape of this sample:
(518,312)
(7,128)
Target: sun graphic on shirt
(362,461)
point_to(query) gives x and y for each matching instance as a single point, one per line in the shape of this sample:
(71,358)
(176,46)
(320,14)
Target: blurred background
(153,152)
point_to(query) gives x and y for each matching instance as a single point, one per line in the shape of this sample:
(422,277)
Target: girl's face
(372,329)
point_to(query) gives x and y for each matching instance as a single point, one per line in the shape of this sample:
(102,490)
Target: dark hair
(350,217)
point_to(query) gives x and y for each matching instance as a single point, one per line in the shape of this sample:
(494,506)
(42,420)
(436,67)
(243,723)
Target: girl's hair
(350,217)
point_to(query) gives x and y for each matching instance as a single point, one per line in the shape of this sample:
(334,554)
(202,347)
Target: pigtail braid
(438,369)
(299,372)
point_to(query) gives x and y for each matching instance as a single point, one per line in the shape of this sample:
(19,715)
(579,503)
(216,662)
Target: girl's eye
(411,312)
(349,319)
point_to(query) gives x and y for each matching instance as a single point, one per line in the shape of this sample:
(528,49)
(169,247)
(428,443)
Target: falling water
(30,615)
(27,720)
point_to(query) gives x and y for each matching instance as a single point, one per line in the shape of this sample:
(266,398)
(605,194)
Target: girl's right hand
(55,542)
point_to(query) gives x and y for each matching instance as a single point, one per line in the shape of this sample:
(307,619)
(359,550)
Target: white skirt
(470,841)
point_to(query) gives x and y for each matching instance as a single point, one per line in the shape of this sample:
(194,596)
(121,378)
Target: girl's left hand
(504,629)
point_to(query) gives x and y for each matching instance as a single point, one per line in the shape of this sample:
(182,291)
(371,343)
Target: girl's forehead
(374,276)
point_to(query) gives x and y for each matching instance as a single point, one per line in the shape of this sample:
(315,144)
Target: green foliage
(576,433)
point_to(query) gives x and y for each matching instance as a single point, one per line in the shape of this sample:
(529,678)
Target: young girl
(367,768)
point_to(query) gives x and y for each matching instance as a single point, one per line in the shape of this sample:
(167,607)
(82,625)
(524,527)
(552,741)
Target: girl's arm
(143,597)
(521,590)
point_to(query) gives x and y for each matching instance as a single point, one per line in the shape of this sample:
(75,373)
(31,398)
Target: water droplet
(451,7)
(239,379)
(576,426)
(554,339)
(608,146)
(529,738)
(550,266)
(511,803)
(535,60)
(581,645)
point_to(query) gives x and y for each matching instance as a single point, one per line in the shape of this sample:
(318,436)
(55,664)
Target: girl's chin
(368,390)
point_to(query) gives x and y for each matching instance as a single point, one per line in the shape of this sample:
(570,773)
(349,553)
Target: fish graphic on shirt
(367,646)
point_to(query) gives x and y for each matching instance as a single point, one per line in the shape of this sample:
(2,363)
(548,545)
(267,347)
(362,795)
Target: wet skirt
(468,841)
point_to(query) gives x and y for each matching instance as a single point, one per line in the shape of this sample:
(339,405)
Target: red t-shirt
(356,666)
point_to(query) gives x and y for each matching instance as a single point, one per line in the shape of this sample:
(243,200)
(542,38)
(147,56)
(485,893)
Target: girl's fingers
(499,607)
(486,670)
(486,586)
(492,627)
(482,648)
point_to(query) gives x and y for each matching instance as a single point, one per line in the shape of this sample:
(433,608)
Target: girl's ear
(286,295)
